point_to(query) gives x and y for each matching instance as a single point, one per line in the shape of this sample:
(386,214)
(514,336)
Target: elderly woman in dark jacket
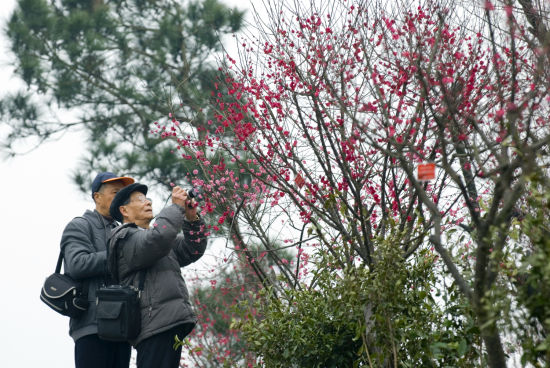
(160,250)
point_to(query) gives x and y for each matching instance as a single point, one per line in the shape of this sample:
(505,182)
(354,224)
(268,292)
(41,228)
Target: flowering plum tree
(331,106)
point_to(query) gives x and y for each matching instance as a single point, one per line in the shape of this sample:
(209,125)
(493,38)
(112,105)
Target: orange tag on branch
(425,171)
(299,181)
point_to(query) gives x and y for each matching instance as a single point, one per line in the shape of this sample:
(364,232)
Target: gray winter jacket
(86,260)
(160,250)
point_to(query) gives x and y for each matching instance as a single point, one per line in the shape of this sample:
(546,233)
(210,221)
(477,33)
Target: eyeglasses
(141,199)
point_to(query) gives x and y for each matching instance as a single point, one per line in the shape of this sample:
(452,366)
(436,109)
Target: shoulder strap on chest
(112,249)
(121,231)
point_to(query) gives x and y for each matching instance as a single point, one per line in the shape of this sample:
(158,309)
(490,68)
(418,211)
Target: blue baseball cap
(108,177)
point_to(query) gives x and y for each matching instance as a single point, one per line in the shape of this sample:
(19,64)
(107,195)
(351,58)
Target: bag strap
(59,262)
(142,279)
(113,263)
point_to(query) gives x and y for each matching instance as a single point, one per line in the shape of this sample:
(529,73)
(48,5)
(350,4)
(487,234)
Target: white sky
(38,199)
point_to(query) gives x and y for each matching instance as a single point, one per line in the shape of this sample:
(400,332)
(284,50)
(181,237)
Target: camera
(194,193)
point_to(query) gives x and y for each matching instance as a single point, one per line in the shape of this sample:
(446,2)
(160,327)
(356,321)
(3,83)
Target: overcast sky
(38,199)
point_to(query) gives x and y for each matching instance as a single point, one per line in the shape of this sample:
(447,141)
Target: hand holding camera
(187,200)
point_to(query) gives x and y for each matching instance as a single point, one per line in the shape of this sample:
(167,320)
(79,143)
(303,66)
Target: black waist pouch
(118,313)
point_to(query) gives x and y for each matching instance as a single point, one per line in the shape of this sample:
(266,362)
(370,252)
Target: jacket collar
(97,219)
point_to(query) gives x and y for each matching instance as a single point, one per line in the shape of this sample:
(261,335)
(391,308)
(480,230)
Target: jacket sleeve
(190,245)
(143,248)
(81,258)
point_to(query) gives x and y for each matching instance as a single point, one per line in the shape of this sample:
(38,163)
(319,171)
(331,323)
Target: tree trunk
(493,344)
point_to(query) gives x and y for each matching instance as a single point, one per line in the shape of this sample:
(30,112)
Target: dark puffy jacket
(160,250)
(86,260)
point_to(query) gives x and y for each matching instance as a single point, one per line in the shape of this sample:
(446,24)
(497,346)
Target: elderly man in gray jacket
(161,250)
(84,246)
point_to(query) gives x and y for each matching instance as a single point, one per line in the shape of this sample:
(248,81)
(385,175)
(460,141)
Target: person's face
(105,196)
(139,210)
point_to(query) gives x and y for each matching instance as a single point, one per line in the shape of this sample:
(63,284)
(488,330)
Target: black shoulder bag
(118,306)
(64,294)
